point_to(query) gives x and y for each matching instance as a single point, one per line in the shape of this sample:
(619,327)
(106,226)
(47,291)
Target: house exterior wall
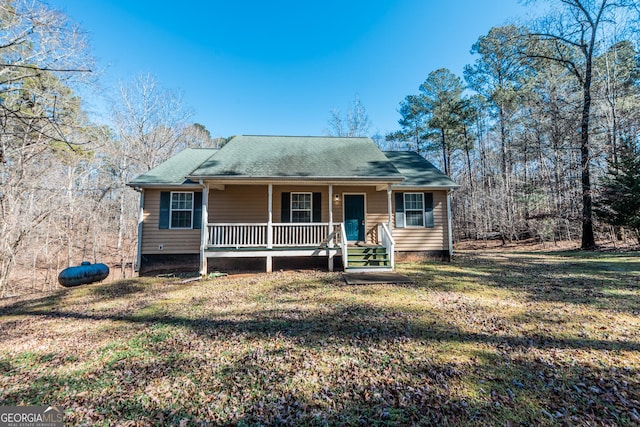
(239,204)
(176,241)
(421,239)
(249,204)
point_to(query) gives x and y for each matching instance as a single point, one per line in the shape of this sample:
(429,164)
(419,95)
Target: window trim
(171,210)
(310,210)
(422,219)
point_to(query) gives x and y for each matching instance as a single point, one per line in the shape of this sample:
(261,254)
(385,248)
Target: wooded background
(542,132)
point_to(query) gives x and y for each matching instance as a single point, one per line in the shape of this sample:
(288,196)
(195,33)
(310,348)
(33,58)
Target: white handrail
(386,238)
(335,238)
(343,244)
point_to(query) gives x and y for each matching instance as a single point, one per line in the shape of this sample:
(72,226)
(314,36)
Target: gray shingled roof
(304,157)
(175,170)
(287,157)
(417,171)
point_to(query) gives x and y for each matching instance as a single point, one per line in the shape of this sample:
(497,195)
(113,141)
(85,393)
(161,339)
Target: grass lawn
(493,338)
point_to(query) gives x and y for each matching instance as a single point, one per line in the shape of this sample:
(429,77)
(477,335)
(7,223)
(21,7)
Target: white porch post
(270,229)
(330,243)
(140,225)
(389,208)
(270,218)
(204,229)
(330,215)
(449,224)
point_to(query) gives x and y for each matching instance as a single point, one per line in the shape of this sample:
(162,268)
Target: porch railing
(386,239)
(237,235)
(277,235)
(343,245)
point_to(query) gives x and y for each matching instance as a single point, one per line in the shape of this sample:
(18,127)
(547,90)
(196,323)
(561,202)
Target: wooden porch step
(373,257)
(369,270)
(366,250)
(370,263)
(368,257)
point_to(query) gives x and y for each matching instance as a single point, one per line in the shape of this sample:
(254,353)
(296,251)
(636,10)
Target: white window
(301,207)
(181,210)
(414,209)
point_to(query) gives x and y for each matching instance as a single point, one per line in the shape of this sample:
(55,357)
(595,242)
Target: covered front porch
(360,242)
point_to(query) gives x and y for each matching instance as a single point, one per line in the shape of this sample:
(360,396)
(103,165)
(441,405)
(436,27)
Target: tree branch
(58,70)
(554,37)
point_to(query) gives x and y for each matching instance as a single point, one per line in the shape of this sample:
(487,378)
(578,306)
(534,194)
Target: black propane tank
(83,274)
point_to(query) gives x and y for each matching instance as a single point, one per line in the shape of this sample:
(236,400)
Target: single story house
(284,196)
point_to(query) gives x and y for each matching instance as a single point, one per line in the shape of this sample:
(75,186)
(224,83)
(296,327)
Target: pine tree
(619,201)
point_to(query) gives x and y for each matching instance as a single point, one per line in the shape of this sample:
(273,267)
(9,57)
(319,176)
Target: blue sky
(279,67)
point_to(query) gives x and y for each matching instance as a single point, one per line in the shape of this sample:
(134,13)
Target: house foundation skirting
(270,254)
(240,260)
(419,256)
(152,264)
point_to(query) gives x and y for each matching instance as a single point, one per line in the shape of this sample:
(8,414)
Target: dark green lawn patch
(489,339)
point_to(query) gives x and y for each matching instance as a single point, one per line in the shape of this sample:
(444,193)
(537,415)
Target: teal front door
(354,216)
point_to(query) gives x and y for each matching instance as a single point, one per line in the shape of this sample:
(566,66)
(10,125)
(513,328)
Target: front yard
(498,338)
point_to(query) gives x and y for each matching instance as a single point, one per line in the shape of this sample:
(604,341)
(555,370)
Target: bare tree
(150,119)
(42,55)
(149,123)
(197,135)
(569,36)
(354,123)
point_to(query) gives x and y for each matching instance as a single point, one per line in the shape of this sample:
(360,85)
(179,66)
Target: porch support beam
(330,216)
(204,228)
(140,227)
(270,223)
(330,260)
(389,208)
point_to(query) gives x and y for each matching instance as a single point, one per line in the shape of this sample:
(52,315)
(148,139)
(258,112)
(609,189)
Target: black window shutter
(399,210)
(428,210)
(285,213)
(317,207)
(197,209)
(165,202)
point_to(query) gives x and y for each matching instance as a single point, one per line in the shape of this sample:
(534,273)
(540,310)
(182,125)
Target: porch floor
(274,249)
(289,248)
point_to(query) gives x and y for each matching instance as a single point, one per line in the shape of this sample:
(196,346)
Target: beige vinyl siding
(277,199)
(421,238)
(239,204)
(176,241)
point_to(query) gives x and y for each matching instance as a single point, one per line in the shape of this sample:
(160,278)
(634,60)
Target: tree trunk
(121,225)
(444,152)
(588,238)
